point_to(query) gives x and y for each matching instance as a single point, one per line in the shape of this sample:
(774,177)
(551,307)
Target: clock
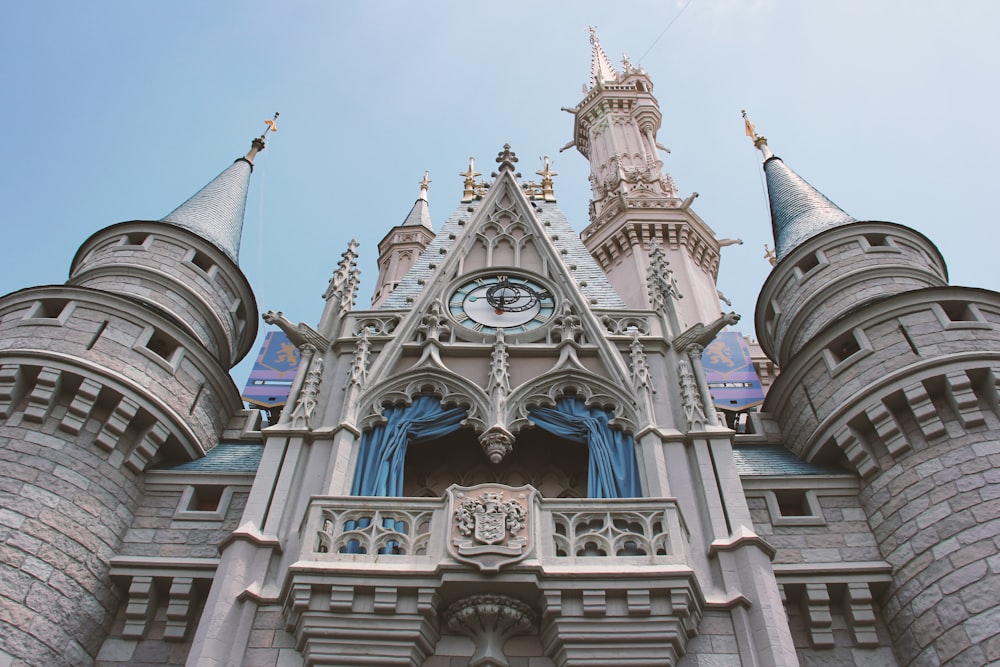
(501,301)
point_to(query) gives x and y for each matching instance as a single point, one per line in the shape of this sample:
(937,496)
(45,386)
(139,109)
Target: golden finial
(469,185)
(423,185)
(272,125)
(769,255)
(548,194)
(257,145)
(759,141)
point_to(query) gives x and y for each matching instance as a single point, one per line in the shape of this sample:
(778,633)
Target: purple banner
(273,372)
(731,376)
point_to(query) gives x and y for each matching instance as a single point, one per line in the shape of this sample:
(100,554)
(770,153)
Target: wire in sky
(672,21)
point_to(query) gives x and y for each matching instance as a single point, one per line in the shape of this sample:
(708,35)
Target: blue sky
(121,110)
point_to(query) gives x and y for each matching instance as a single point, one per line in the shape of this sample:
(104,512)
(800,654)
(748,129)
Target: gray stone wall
(835,272)
(936,515)
(162,528)
(180,273)
(115,341)
(828,526)
(65,504)
(715,644)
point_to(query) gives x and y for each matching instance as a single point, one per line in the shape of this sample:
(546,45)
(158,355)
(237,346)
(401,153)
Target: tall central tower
(634,201)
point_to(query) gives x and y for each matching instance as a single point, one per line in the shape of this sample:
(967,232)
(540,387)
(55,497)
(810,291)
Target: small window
(959,315)
(135,238)
(202,261)
(958,311)
(50,311)
(844,347)
(794,507)
(204,502)
(808,263)
(205,498)
(159,347)
(845,350)
(162,345)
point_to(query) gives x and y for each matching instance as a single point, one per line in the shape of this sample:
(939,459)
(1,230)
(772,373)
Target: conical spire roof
(420,214)
(215,212)
(798,210)
(601,69)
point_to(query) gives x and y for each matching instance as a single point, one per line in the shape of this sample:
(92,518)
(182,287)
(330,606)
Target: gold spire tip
(423,185)
(759,141)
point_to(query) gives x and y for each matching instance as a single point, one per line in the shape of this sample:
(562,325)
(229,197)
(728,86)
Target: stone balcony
(400,571)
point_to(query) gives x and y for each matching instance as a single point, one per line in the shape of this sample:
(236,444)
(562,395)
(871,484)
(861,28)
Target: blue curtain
(383,449)
(612,471)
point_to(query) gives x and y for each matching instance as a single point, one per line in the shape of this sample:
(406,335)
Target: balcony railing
(416,532)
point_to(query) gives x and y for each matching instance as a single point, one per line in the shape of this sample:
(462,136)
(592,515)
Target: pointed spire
(798,210)
(215,212)
(420,214)
(601,69)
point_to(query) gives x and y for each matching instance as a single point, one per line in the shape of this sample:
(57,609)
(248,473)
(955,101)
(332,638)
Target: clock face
(512,303)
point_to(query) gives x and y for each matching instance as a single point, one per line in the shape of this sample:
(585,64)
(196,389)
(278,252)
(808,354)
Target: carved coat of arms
(491,524)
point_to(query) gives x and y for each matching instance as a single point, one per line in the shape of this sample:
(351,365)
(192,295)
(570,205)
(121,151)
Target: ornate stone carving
(359,363)
(694,410)
(300,334)
(490,620)
(497,443)
(487,530)
(499,386)
(343,287)
(566,325)
(434,323)
(660,280)
(640,369)
(309,395)
(377,325)
(623,325)
(703,334)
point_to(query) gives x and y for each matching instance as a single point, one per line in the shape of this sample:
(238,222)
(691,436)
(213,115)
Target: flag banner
(273,372)
(731,376)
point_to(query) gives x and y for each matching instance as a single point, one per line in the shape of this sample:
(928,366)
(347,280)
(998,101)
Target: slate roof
(798,210)
(420,216)
(759,460)
(215,212)
(226,457)
(594,282)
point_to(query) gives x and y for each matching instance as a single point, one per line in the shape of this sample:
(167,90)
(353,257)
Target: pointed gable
(505,229)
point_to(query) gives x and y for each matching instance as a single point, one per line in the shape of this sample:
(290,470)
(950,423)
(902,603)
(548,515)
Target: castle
(515,456)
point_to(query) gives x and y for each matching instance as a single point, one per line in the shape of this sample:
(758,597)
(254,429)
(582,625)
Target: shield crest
(491,524)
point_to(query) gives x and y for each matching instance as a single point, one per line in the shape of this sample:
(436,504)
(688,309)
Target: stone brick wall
(829,525)
(65,505)
(179,272)
(156,529)
(936,515)
(111,336)
(833,273)
(715,644)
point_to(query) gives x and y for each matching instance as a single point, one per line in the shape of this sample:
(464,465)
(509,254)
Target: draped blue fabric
(383,449)
(612,471)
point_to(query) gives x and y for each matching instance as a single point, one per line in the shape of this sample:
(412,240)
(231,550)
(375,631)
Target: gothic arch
(593,389)
(452,389)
